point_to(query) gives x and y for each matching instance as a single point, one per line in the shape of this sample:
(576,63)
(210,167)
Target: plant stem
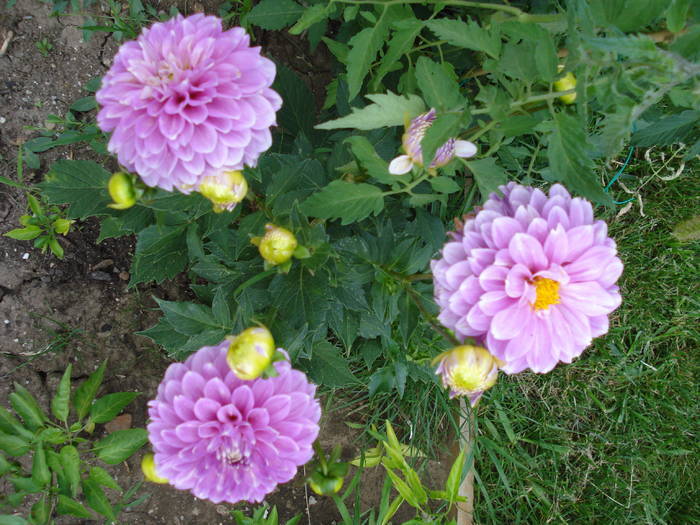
(427,316)
(462,3)
(465,509)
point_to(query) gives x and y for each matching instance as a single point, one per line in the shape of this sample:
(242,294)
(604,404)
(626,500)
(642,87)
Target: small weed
(44,46)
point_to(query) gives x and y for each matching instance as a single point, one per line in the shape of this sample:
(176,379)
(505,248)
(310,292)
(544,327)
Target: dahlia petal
(457,273)
(599,325)
(205,409)
(516,280)
(508,323)
(400,165)
(590,265)
(493,302)
(527,250)
(493,278)
(477,319)
(588,298)
(243,399)
(453,252)
(556,246)
(503,230)
(580,239)
(612,273)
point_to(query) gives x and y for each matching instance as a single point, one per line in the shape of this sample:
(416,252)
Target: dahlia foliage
(530,276)
(187,100)
(226,439)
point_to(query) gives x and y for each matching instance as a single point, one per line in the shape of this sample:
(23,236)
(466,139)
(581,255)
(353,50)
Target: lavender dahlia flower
(414,155)
(188,100)
(226,439)
(531,276)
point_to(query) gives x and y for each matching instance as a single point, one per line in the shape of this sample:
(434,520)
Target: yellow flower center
(547,291)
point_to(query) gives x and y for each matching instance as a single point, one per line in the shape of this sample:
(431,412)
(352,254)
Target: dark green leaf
(439,87)
(368,158)
(108,407)
(60,404)
(298,110)
(667,130)
(274,14)
(328,367)
(86,392)
(488,175)
(165,335)
(84,104)
(70,461)
(468,35)
(11,519)
(570,160)
(80,183)
(40,511)
(26,406)
(346,201)
(454,479)
(364,46)
(312,15)
(188,318)
(401,42)
(386,110)
(96,498)
(444,185)
(11,425)
(66,505)
(161,253)
(120,445)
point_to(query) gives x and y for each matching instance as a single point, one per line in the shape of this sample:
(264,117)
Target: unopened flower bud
(277,245)
(250,352)
(468,371)
(62,226)
(148,466)
(224,190)
(121,189)
(325,486)
(565,83)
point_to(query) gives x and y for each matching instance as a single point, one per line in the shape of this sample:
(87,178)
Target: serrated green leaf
(161,253)
(86,392)
(667,130)
(386,110)
(165,335)
(188,318)
(346,201)
(298,110)
(120,445)
(487,174)
(70,461)
(368,158)
(401,42)
(40,471)
(27,407)
(66,505)
(13,445)
(60,404)
(364,46)
(84,104)
(12,519)
(444,185)
(546,57)
(312,15)
(570,161)
(274,14)
(328,367)
(108,407)
(102,477)
(468,35)
(440,89)
(96,498)
(80,183)
(403,489)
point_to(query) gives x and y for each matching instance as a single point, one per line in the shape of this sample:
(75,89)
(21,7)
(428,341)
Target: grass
(611,438)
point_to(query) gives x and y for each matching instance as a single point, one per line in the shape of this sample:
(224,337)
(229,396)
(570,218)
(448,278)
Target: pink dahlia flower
(412,139)
(227,439)
(187,100)
(533,277)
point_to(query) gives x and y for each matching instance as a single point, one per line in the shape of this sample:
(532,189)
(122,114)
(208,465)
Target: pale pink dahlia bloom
(532,277)
(412,139)
(188,100)
(227,439)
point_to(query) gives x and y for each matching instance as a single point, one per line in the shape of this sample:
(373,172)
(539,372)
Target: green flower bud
(121,189)
(325,486)
(148,467)
(565,83)
(250,352)
(468,371)
(277,245)
(224,190)
(62,226)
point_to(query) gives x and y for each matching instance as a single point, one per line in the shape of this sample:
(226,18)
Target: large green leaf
(97,499)
(328,367)
(570,160)
(298,110)
(401,42)
(40,470)
(161,253)
(13,445)
(386,110)
(66,505)
(70,461)
(80,183)
(346,201)
(368,158)
(87,391)
(438,85)
(60,404)
(120,445)
(274,14)
(468,35)
(487,174)
(189,318)
(363,50)
(27,407)
(108,407)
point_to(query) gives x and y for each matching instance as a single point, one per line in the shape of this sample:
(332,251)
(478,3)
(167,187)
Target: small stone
(312,500)
(106,263)
(100,276)
(122,422)
(124,276)
(25,256)
(221,509)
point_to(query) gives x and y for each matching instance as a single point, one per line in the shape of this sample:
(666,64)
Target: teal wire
(617,176)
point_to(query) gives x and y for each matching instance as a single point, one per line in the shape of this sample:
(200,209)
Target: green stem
(529,100)
(482,5)
(408,187)
(253,280)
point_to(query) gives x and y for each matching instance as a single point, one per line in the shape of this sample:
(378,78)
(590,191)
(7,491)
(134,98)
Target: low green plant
(44,46)
(263,515)
(64,479)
